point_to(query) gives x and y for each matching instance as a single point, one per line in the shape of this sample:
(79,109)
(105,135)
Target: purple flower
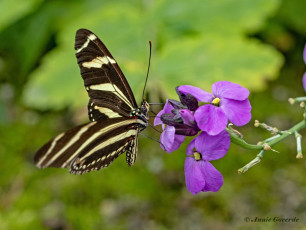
(177,122)
(304,54)
(200,174)
(228,102)
(169,140)
(167,109)
(304,77)
(304,81)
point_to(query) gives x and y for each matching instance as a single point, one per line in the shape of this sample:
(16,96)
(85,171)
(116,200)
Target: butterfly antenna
(152,112)
(154,128)
(157,103)
(153,139)
(147,71)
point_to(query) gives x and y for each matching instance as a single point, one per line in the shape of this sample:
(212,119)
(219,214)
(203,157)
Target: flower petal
(304,81)
(187,117)
(304,54)
(167,109)
(213,178)
(167,138)
(190,147)
(157,120)
(238,112)
(213,147)
(195,181)
(210,119)
(178,140)
(196,92)
(226,89)
(169,141)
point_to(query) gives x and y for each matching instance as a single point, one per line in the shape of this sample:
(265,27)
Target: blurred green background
(256,43)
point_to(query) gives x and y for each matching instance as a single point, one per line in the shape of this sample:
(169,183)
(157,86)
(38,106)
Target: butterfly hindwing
(102,157)
(103,79)
(131,151)
(88,143)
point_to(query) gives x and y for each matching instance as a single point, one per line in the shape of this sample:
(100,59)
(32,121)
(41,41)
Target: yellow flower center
(216,101)
(197,156)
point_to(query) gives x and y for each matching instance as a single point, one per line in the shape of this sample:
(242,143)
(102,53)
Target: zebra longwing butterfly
(115,118)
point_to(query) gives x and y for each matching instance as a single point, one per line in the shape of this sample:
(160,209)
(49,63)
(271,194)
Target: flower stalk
(256,160)
(273,130)
(297,99)
(238,141)
(270,142)
(298,138)
(271,138)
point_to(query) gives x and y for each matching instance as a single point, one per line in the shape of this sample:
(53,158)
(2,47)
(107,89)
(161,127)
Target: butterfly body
(115,118)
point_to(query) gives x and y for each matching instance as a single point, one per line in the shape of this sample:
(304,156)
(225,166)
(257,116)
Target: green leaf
(213,45)
(292,13)
(23,43)
(194,43)
(220,17)
(12,10)
(56,84)
(210,58)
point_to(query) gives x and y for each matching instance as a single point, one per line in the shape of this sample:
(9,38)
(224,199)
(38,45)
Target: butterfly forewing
(105,83)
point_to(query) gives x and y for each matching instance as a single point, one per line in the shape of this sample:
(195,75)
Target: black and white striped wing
(109,92)
(91,146)
(97,158)
(131,151)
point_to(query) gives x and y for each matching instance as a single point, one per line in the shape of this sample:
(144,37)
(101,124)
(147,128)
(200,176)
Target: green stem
(298,138)
(299,99)
(252,163)
(237,140)
(289,132)
(269,143)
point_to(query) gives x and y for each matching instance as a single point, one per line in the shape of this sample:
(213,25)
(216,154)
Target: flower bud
(188,100)
(299,156)
(176,104)
(267,147)
(275,130)
(291,101)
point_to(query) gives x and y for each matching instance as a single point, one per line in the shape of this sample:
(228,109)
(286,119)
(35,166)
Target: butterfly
(115,118)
